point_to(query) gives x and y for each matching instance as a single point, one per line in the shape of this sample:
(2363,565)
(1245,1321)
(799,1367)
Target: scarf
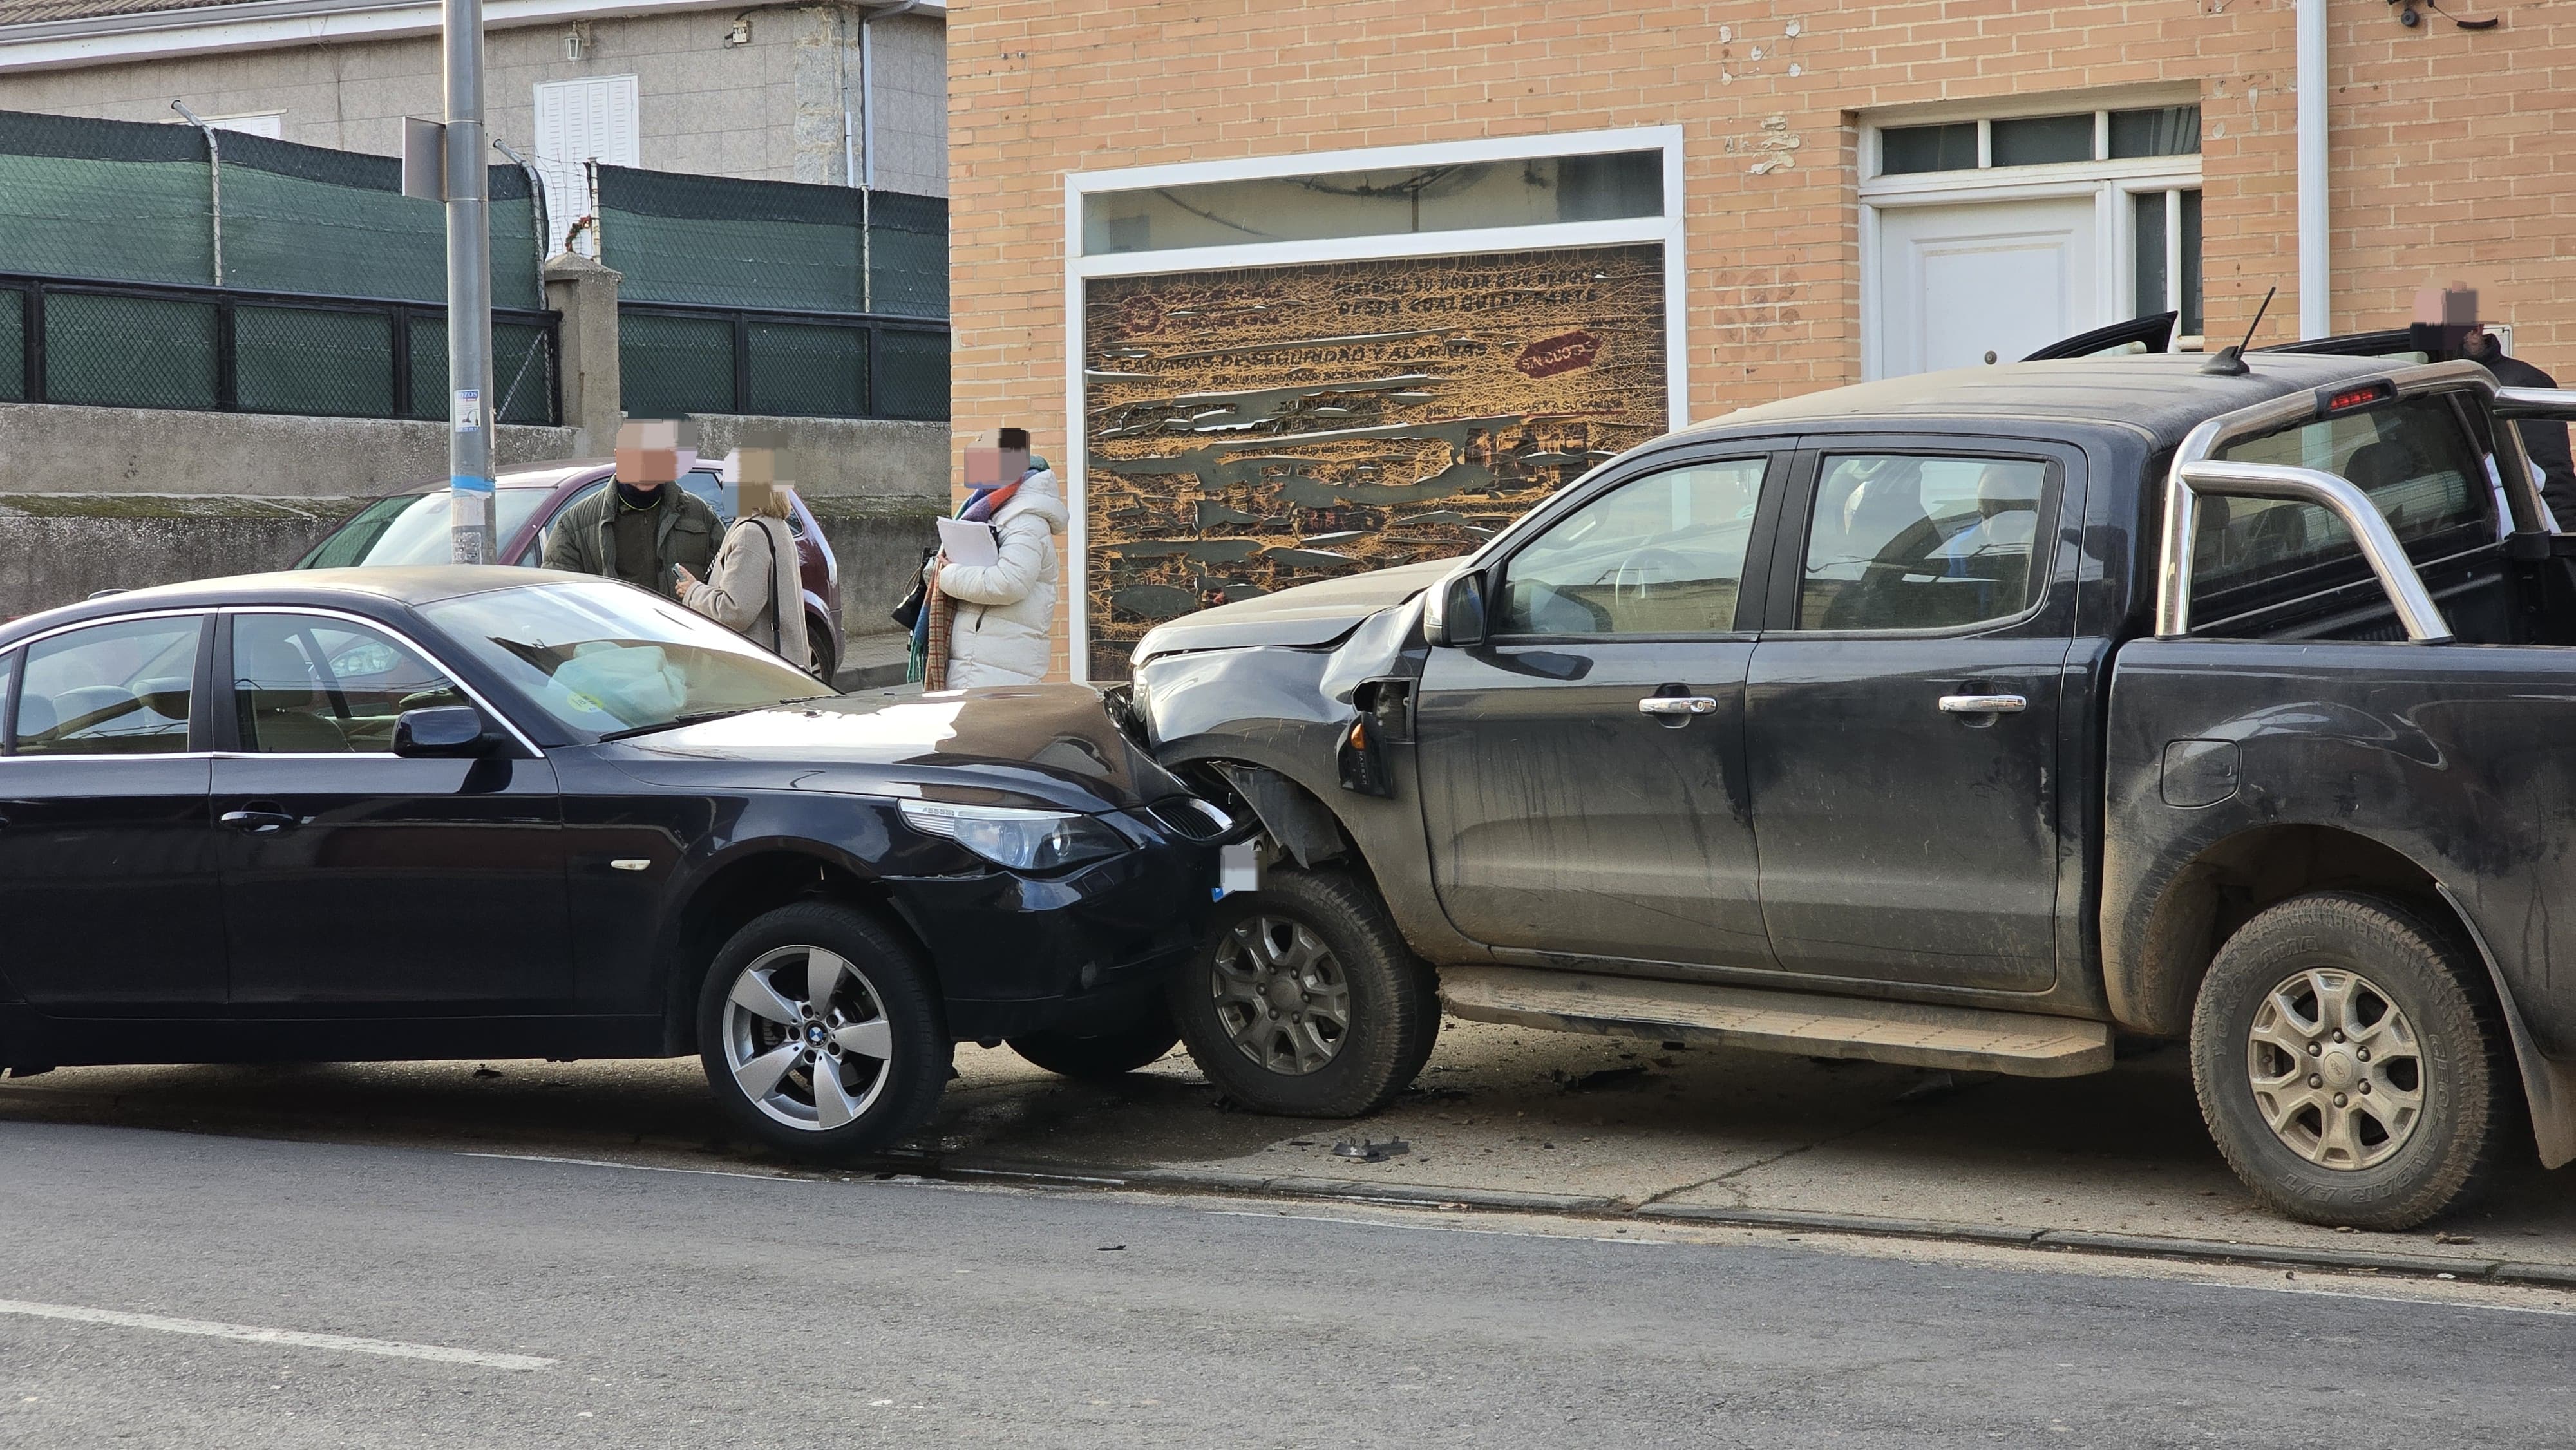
(930,633)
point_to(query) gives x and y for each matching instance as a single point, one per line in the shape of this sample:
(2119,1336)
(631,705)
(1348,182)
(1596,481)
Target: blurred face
(648,454)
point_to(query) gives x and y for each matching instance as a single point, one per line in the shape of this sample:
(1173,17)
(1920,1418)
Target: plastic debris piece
(1368,1152)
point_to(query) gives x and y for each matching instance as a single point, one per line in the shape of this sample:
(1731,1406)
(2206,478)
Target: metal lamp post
(469,288)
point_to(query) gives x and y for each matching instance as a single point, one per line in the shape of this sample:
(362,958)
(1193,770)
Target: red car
(411,528)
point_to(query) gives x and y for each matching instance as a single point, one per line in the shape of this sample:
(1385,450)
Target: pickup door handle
(261,823)
(1983,704)
(1684,705)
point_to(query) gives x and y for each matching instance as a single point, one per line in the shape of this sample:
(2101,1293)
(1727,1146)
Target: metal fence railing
(226,349)
(673,360)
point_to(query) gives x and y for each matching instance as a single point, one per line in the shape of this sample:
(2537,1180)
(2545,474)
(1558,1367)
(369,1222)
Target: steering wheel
(1631,581)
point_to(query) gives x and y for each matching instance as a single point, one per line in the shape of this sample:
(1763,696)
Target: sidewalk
(1504,1117)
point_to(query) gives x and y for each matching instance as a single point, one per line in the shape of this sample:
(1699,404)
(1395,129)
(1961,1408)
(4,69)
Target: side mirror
(442,732)
(1455,614)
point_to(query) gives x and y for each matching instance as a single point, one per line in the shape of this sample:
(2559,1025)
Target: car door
(357,881)
(108,882)
(1561,816)
(1901,713)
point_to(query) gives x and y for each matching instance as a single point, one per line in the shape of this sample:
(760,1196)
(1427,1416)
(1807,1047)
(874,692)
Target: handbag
(908,613)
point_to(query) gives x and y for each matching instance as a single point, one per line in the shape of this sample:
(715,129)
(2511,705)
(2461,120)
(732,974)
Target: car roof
(2163,395)
(407,585)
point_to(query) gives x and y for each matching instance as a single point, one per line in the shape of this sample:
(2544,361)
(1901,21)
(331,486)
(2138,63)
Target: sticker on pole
(469,410)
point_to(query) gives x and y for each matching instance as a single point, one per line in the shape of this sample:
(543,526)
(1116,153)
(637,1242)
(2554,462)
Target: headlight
(1021,840)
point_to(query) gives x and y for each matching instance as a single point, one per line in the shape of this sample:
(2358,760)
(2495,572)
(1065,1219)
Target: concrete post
(586,294)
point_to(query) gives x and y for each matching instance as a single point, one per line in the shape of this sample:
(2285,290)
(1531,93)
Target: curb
(1426,1195)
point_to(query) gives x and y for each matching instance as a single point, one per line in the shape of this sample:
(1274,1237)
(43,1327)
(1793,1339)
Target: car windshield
(611,659)
(413,529)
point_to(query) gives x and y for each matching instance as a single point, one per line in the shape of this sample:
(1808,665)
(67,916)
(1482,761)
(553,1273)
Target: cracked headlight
(1019,839)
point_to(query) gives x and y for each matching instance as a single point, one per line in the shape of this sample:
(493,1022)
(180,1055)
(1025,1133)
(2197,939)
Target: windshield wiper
(698,717)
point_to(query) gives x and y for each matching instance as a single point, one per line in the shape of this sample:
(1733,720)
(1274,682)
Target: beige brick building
(1834,191)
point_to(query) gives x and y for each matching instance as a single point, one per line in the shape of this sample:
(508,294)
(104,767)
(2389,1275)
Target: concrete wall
(99,498)
(770,110)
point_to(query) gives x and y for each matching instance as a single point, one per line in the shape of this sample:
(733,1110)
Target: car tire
(820,660)
(1305,1002)
(1102,1056)
(876,1030)
(2350,1064)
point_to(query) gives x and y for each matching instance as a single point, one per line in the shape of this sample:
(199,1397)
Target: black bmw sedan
(455,812)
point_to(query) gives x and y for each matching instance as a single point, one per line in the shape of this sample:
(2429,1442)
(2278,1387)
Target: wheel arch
(748,883)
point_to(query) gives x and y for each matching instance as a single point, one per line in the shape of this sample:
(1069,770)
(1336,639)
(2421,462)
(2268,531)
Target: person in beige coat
(752,588)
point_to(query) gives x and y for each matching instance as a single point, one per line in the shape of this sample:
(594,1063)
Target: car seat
(277,696)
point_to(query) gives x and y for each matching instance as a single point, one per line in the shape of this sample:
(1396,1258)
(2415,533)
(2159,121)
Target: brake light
(2331,401)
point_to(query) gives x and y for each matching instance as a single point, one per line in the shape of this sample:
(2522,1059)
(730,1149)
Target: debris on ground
(1934,1084)
(1367,1152)
(2449,1238)
(487,1072)
(1113,1248)
(1607,1077)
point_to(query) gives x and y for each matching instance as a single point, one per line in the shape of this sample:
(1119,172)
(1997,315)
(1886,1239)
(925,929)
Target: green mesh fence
(129,201)
(13,346)
(667,366)
(522,370)
(908,255)
(130,352)
(805,370)
(303,360)
(912,374)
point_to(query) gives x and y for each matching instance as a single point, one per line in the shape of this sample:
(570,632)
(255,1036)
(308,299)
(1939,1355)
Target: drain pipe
(2316,303)
(214,181)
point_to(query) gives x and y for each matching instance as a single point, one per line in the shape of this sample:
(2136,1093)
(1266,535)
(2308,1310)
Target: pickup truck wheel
(2349,1065)
(1102,1056)
(818,1033)
(1306,1002)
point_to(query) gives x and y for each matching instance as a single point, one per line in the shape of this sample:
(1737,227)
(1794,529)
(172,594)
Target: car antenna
(2230,362)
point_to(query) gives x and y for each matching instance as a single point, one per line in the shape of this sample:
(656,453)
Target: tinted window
(8,672)
(606,657)
(2163,131)
(1920,542)
(2037,140)
(413,529)
(1906,149)
(2411,456)
(110,689)
(1660,555)
(313,685)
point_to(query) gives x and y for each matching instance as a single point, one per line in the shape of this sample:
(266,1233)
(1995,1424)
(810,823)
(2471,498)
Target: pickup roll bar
(2196,473)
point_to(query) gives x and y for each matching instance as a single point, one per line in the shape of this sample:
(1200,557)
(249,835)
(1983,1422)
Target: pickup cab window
(1901,541)
(1661,554)
(2412,456)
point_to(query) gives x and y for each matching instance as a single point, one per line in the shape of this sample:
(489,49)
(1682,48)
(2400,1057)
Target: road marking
(2421,1300)
(253,1334)
(639,1167)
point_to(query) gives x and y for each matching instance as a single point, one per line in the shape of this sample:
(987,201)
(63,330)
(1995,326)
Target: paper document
(966,543)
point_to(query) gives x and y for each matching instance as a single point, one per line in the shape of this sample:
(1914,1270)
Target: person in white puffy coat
(1005,610)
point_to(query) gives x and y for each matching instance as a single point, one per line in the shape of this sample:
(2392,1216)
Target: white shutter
(579,121)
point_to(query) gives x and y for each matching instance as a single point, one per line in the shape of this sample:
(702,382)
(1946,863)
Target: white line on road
(253,1334)
(639,1167)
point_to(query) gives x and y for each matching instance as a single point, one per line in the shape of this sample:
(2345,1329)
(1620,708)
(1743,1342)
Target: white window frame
(2110,183)
(1666,229)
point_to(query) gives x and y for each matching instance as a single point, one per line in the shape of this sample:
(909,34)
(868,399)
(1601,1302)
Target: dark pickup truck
(1970,720)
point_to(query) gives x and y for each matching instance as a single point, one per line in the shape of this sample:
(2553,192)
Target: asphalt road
(512,1301)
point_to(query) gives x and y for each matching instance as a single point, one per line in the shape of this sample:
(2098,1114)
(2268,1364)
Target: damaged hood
(1311,614)
(1051,745)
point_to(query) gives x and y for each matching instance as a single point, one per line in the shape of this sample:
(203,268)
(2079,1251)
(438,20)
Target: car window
(2411,456)
(414,529)
(712,490)
(1661,554)
(1921,541)
(609,657)
(110,689)
(8,674)
(312,685)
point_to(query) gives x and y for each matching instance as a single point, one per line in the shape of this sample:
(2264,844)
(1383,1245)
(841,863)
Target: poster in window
(1251,430)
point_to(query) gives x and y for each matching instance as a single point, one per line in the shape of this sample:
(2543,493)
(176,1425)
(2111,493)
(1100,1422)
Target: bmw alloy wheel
(807,1038)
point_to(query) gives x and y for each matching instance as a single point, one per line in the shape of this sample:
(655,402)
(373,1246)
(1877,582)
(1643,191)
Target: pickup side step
(2019,1043)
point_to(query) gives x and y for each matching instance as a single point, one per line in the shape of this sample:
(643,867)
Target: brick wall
(2452,152)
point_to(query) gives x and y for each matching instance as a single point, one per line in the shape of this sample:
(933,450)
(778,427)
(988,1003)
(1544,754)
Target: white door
(592,119)
(1955,283)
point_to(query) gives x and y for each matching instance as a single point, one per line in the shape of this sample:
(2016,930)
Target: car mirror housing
(1455,613)
(443,731)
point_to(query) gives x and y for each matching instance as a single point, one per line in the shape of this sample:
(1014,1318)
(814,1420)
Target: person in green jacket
(643,528)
